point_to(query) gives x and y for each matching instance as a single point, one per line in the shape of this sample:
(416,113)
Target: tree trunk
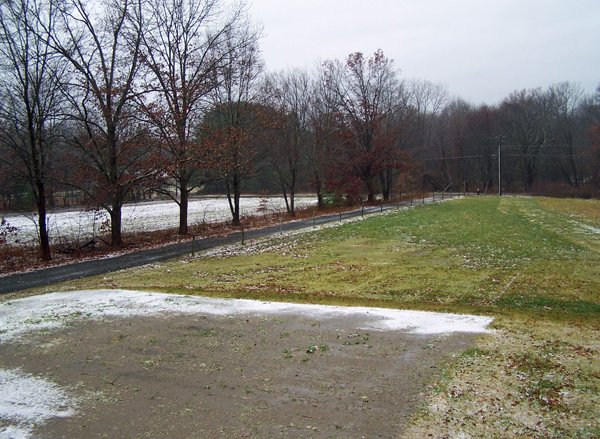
(320,203)
(292,201)
(319,191)
(386,189)
(116,239)
(43,228)
(236,199)
(292,209)
(39,189)
(529,174)
(574,171)
(234,202)
(183,206)
(370,189)
(285,198)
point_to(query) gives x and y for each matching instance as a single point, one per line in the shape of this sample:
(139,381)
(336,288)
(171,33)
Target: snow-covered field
(81,226)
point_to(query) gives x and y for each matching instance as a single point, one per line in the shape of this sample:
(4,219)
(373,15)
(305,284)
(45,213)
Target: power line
(551,156)
(541,155)
(456,157)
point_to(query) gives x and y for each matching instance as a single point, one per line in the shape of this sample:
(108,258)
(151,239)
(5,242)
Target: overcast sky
(480,49)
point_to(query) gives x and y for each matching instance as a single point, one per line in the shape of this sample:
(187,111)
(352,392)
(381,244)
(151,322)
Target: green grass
(532,263)
(484,255)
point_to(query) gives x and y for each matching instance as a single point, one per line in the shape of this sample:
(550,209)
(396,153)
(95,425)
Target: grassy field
(532,263)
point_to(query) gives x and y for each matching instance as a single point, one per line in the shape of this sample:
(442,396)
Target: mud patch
(205,374)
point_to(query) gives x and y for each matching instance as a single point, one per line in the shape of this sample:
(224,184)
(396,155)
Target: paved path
(51,275)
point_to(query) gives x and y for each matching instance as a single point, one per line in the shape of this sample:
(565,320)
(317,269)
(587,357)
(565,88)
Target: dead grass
(584,209)
(531,379)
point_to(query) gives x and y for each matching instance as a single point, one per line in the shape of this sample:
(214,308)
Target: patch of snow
(587,228)
(12,432)
(54,310)
(27,401)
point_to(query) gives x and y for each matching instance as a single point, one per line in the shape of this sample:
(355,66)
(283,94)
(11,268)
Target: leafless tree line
(109,96)
(123,96)
(535,141)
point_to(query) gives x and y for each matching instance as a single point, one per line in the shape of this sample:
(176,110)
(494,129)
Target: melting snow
(55,310)
(589,229)
(27,401)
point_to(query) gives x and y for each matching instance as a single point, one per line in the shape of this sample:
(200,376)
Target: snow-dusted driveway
(127,363)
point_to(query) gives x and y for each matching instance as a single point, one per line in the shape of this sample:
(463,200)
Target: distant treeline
(127,100)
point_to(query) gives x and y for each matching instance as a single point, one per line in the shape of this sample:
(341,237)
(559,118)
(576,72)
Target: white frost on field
(28,401)
(81,225)
(54,310)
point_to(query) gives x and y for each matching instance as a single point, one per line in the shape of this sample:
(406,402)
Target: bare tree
(451,140)
(483,140)
(324,143)
(426,101)
(102,44)
(525,124)
(31,101)
(183,48)
(393,135)
(291,95)
(236,119)
(568,125)
(594,135)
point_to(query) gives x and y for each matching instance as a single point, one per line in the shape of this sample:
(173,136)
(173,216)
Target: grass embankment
(532,263)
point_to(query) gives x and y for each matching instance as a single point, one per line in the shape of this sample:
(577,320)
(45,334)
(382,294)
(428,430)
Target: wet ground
(200,376)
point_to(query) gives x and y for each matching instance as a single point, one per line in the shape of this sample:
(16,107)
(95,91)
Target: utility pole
(499,168)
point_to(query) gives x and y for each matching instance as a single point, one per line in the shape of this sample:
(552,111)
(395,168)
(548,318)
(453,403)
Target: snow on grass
(28,401)
(81,225)
(586,228)
(54,310)
(278,241)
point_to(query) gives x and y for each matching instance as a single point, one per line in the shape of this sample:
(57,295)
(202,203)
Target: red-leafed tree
(232,137)
(368,97)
